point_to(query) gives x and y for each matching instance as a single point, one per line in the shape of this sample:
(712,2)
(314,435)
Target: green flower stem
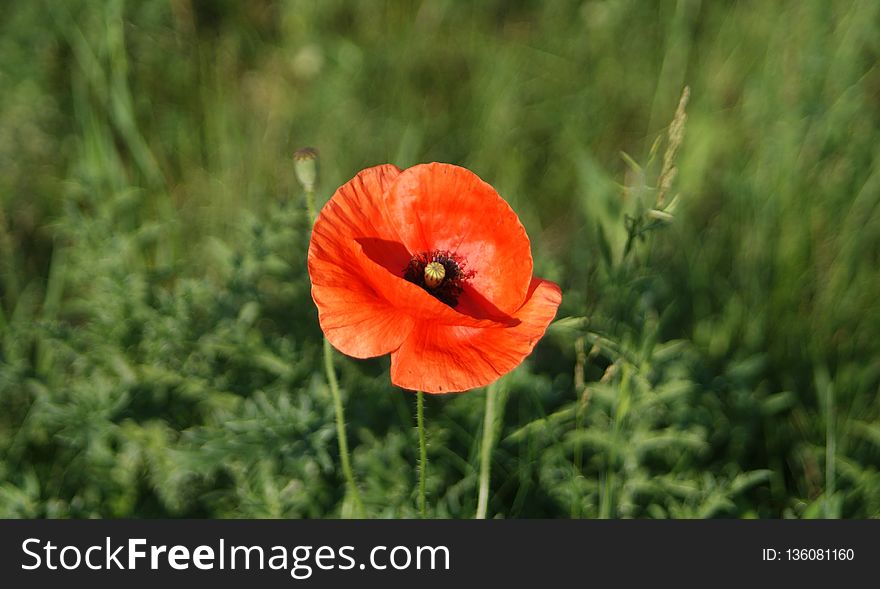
(423,452)
(340,428)
(310,205)
(338,409)
(486,452)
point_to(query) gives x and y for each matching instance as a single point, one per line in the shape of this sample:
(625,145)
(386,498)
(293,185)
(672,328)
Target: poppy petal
(359,325)
(414,300)
(355,213)
(446,207)
(437,358)
(354,317)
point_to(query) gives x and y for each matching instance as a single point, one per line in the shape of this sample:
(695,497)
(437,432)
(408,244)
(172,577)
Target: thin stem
(486,452)
(580,395)
(340,428)
(830,451)
(338,409)
(423,452)
(310,205)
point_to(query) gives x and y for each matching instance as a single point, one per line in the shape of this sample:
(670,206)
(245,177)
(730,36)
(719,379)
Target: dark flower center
(440,273)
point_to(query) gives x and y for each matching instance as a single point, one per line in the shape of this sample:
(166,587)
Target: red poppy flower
(430,265)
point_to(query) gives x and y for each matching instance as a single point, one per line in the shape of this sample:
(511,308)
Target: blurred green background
(159,349)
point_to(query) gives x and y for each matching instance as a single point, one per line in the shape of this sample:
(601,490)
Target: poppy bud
(305,166)
(435,272)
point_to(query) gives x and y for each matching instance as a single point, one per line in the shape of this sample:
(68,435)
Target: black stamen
(452,285)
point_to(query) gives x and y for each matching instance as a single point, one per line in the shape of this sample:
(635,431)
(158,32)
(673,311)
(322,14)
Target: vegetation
(716,353)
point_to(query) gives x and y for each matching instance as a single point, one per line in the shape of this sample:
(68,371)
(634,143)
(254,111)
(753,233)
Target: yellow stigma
(434,274)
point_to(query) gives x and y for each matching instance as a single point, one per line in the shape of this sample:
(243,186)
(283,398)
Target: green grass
(159,350)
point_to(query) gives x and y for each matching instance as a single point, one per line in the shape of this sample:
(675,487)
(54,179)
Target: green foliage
(716,352)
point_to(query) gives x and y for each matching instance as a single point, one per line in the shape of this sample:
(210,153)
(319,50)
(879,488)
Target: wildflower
(430,265)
